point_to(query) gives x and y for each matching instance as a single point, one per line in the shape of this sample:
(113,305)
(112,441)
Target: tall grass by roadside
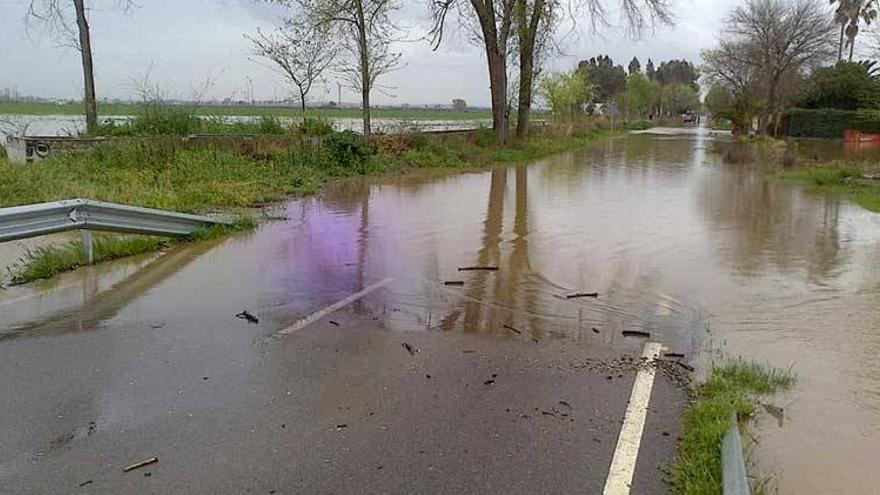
(47,261)
(732,387)
(840,178)
(195,180)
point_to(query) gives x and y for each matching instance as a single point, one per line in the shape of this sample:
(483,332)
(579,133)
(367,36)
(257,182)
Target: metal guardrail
(733,465)
(22,222)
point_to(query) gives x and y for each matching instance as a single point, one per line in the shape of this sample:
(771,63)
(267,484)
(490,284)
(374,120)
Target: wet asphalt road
(337,407)
(330,409)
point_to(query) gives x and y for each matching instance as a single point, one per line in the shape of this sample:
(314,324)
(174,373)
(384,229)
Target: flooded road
(679,235)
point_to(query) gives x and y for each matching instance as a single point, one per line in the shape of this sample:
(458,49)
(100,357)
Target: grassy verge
(199,180)
(110,109)
(48,261)
(838,178)
(732,387)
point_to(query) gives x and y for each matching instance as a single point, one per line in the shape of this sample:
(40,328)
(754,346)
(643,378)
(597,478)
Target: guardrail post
(88,247)
(733,465)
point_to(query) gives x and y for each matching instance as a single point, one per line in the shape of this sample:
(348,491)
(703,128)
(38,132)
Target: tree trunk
(840,42)
(302,101)
(366,82)
(528,31)
(498,90)
(852,44)
(85,46)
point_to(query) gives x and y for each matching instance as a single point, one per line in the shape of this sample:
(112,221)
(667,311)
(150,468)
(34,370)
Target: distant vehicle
(689,117)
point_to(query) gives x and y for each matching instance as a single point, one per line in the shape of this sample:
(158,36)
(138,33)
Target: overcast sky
(183,43)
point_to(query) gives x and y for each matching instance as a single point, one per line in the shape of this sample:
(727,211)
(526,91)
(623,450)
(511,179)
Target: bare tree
(775,38)
(56,15)
(365,31)
(300,51)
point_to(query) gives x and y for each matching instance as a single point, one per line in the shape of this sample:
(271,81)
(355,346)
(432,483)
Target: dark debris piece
(578,295)
(474,268)
(636,333)
(410,349)
(454,282)
(514,330)
(245,315)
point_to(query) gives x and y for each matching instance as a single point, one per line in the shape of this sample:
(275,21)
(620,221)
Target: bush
(347,149)
(828,123)
(2,151)
(638,125)
(315,127)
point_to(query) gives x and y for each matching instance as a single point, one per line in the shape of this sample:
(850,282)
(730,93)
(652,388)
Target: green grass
(48,261)
(732,387)
(836,177)
(110,109)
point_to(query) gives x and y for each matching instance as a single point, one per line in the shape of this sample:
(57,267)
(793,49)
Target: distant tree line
(598,85)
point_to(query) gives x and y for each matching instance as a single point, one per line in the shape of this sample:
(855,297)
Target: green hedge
(828,122)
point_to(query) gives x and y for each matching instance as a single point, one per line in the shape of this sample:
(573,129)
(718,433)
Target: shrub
(315,127)
(347,149)
(638,125)
(828,122)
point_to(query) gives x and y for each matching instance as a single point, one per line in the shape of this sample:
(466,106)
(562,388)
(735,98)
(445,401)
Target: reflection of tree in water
(764,223)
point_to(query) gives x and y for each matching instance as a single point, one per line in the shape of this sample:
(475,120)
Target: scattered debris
(245,315)
(410,349)
(454,282)
(148,474)
(595,330)
(86,482)
(428,376)
(156,326)
(341,426)
(489,382)
(380,467)
(566,404)
(665,433)
(548,413)
(474,268)
(536,340)
(636,333)
(468,351)
(334,323)
(514,330)
(577,295)
(673,355)
(131,467)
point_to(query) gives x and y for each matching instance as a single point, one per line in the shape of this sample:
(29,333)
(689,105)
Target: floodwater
(681,235)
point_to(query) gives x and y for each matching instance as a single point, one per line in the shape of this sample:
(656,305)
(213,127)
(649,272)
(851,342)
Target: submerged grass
(839,178)
(47,261)
(732,387)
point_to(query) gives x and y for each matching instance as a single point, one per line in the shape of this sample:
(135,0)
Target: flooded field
(71,125)
(681,236)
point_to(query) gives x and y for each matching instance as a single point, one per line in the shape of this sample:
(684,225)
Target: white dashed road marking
(308,320)
(623,464)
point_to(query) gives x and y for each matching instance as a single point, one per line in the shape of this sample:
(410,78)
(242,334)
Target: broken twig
(131,467)
(582,294)
(514,330)
(454,282)
(410,349)
(636,333)
(474,268)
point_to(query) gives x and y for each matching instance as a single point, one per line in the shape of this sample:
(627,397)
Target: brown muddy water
(681,235)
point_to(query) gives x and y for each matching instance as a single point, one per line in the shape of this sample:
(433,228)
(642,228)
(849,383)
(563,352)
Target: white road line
(623,464)
(308,320)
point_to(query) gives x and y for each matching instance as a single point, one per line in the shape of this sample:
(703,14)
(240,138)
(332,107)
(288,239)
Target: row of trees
(667,90)
(355,37)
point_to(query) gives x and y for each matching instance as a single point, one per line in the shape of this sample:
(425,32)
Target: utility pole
(338,94)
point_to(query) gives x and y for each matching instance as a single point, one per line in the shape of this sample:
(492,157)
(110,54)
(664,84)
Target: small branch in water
(141,464)
(582,294)
(514,330)
(636,333)
(474,268)
(454,282)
